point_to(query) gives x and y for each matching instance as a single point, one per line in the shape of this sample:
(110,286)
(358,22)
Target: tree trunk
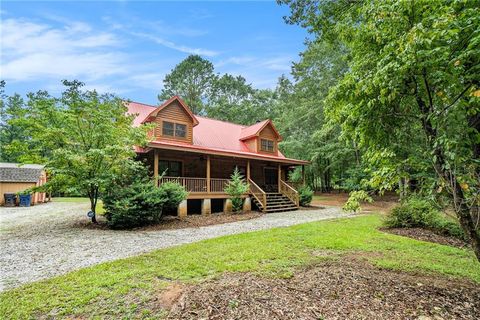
(462,210)
(464,216)
(93,196)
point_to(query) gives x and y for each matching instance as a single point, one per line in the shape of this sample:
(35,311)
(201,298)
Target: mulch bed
(174,222)
(427,235)
(346,289)
(197,220)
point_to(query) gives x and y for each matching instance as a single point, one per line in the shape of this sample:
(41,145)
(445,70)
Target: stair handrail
(289,192)
(254,189)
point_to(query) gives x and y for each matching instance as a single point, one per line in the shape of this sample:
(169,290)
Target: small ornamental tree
(235,188)
(353,202)
(84,138)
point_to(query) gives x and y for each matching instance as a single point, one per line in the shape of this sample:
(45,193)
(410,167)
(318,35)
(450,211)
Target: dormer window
(168,129)
(172,129)
(266,145)
(180,130)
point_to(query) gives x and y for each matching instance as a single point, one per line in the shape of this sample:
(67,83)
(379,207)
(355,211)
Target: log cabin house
(201,153)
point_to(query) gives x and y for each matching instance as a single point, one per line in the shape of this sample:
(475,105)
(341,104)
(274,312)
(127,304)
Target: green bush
(138,204)
(415,212)
(305,195)
(173,193)
(133,199)
(235,188)
(354,199)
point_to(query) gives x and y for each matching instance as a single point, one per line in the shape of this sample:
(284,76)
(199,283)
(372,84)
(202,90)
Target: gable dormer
(174,121)
(261,137)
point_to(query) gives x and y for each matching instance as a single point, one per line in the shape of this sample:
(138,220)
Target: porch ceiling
(228,154)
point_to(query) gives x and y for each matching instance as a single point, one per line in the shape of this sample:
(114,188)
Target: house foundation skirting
(182,209)
(206,206)
(227,206)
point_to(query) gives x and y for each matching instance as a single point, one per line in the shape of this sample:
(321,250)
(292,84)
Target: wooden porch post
(303,174)
(279,176)
(248,170)
(208,173)
(155,165)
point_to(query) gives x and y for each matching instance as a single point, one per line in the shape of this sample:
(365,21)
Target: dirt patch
(169,297)
(426,235)
(344,289)
(174,222)
(380,204)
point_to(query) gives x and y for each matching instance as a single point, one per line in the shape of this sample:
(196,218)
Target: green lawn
(100,209)
(123,288)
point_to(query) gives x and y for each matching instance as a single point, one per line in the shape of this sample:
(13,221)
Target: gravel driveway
(48,240)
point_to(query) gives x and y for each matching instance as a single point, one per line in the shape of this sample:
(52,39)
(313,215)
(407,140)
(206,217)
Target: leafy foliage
(174,193)
(235,188)
(353,202)
(132,199)
(417,212)
(83,138)
(192,79)
(306,195)
(411,91)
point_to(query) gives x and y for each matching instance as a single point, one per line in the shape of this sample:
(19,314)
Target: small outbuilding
(16,177)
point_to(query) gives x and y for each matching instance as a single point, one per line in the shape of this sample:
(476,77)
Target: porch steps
(276,202)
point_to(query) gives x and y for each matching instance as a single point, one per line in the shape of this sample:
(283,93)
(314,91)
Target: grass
(123,288)
(100,209)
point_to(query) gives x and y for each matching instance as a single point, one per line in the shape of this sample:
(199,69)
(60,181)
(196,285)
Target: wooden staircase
(285,200)
(276,202)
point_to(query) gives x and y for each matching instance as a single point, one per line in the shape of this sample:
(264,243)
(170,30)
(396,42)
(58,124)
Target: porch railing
(289,192)
(258,194)
(197,185)
(190,184)
(218,185)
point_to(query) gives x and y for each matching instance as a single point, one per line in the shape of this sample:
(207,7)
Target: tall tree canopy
(226,97)
(83,137)
(192,79)
(411,94)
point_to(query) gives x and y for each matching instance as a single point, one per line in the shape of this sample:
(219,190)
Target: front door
(271,179)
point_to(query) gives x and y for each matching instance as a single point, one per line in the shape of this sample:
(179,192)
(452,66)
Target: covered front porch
(205,176)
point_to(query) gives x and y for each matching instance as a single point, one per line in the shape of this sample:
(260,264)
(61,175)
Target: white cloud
(148,80)
(262,72)
(174,46)
(276,63)
(32,50)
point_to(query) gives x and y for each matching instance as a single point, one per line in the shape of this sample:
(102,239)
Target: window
(174,129)
(167,128)
(171,168)
(266,145)
(180,130)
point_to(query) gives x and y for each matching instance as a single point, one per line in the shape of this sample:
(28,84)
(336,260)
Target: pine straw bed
(349,288)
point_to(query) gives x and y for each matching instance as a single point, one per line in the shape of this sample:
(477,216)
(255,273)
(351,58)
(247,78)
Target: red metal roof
(254,130)
(211,135)
(140,110)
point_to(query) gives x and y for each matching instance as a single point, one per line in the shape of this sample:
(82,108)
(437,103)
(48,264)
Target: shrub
(354,199)
(173,193)
(305,195)
(415,212)
(133,199)
(235,188)
(411,213)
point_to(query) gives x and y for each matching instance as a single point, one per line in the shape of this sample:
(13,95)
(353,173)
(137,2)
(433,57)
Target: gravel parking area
(49,239)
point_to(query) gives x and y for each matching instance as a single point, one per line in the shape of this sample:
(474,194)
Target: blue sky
(127,47)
